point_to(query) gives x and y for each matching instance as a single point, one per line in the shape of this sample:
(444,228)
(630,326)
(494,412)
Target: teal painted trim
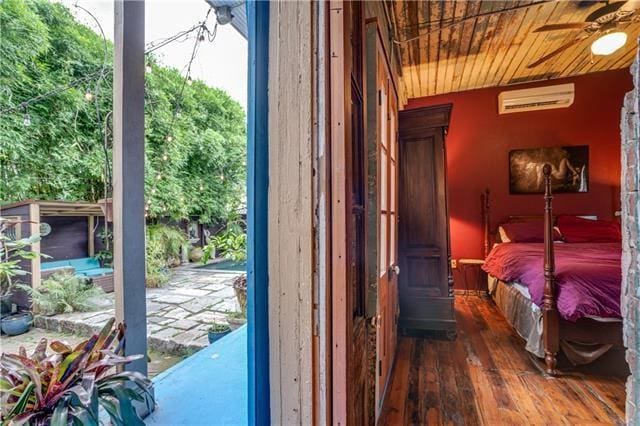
(257,215)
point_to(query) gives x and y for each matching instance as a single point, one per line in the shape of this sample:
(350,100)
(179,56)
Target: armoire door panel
(426,299)
(427,277)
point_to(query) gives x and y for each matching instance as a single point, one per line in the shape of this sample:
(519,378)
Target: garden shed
(71,236)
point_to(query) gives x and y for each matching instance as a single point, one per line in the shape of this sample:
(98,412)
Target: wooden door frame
(342,315)
(339,292)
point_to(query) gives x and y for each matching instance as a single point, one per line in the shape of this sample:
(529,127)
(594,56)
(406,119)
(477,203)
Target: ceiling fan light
(608,43)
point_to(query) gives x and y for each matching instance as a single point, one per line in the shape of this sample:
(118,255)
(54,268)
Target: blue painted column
(257,214)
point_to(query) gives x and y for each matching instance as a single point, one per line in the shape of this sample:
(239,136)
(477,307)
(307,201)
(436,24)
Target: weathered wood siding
(291,211)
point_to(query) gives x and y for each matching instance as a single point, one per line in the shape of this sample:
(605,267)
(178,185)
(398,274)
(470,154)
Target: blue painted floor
(208,388)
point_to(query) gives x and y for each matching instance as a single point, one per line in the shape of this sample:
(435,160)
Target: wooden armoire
(425,281)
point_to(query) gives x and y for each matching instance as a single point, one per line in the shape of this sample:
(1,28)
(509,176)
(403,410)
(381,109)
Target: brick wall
(630,127)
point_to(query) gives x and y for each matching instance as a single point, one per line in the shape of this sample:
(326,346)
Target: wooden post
(128,177)
(34,229)
(550,321)
(91,247)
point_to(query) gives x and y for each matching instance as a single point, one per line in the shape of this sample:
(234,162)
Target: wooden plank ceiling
(462,45)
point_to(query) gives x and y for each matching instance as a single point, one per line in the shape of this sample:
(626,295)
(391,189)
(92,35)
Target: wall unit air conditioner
(547,97)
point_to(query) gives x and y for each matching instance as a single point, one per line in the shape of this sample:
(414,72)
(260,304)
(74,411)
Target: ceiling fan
(602,22)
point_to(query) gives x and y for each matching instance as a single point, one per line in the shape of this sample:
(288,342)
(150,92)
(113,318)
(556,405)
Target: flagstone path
(178,314)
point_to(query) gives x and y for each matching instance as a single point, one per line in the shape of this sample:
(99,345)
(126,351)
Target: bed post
(484,206)
(550,321)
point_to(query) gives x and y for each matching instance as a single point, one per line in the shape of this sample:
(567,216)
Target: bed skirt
(526,318)
(518,312)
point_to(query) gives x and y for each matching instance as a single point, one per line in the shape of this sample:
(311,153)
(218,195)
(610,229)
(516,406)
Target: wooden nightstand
(474,279)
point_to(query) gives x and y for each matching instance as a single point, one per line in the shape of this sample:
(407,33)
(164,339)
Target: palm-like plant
(69,386)
(12,253)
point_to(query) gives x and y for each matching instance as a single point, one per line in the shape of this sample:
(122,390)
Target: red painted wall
(480,139)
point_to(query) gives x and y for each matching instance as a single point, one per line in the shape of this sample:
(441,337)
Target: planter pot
(16,324)
(236,323)
(195,255)
(240,288)
(5,305)
(216,335)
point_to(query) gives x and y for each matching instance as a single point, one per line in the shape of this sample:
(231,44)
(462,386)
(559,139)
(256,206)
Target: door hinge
(380,367)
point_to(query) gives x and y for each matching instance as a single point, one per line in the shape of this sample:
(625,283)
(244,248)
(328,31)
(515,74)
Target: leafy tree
(195,158)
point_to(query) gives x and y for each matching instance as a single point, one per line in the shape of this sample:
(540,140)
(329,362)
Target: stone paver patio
(178,314)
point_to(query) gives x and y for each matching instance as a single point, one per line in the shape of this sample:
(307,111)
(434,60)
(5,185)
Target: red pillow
(527,232)
(579,230)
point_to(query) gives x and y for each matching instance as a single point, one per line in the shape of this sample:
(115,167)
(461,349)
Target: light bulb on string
(148,68)
(88,96)
(165,157)
(169,138)
(153,190)
(158,176)
(189,81)
(26,119)
(222,177)
(201,187)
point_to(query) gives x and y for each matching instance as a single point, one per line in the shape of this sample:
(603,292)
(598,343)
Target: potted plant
(236,319)
(70,385)
(218,331)
(16,324)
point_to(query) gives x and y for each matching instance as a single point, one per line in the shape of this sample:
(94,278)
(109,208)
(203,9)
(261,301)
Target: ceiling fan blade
(630,6)
(555,52)
(565,26)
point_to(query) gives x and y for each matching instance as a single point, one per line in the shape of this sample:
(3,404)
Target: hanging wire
(202,34)
(202,30)
(106,70)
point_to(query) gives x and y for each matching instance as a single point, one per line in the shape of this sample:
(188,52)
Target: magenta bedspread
(588,275)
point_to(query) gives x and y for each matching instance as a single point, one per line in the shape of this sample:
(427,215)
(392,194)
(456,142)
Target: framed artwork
(569,169)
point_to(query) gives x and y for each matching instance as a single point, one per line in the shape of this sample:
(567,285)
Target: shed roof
(60,208)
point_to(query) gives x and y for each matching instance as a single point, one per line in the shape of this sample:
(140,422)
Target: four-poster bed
(586,323)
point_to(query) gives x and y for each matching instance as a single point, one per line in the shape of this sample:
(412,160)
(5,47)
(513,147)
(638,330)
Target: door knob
(396,269)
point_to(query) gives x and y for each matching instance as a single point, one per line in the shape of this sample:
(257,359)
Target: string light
(221,177)
(189,81)
(88,96)
(158,176)
(165,157)
(169,138)
(148,68)
(26,120)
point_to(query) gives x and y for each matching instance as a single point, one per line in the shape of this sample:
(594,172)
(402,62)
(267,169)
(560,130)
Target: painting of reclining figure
(569,169)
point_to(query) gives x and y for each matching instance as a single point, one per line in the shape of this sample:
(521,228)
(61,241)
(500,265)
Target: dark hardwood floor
(486,377)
